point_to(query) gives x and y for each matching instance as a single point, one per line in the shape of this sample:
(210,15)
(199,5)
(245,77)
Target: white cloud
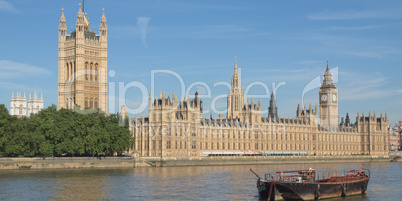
(10,69)
(7,7)
(142,23)
(353,15)
(15,86)
(223,31)
(364,87)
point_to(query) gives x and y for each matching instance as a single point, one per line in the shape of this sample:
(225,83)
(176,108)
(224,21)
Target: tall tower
(328,101)
(235,96)
(83,64)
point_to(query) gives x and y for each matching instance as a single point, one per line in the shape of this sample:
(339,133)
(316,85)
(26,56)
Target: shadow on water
(177,183)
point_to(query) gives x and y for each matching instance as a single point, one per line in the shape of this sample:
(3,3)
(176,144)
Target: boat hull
(311,190)
(264,190)
(321,190)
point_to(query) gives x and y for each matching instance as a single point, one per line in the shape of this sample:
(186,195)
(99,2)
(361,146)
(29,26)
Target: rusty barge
(303,185)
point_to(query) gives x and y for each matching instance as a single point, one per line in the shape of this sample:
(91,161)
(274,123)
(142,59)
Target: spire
(29,95)
(41,97)
(235,67)
(103,14)
(103,19)
(347,119)
(272,109)
(62,18)
(328,80)
(12,94)
(80,11)
(36,92)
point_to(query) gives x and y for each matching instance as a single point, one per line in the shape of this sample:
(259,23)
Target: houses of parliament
(176,128)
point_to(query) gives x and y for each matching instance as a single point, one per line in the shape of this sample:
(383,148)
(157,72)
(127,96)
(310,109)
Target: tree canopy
(53,132)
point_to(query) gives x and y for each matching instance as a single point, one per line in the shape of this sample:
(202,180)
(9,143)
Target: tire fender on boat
(344,190)
(317,193)
(364,188)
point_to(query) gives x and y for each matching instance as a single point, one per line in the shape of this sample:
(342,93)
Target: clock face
(324,97)
(334,97)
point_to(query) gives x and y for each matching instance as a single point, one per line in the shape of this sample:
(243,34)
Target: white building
(35,104)
(18,104)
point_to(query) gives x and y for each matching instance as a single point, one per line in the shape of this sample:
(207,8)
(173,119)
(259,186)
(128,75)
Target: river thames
(177,183)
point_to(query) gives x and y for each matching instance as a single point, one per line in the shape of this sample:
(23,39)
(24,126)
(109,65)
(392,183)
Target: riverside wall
(69,162)
(264,160)
(131,162)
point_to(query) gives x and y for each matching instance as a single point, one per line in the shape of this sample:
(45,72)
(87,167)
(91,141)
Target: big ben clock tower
(328,101)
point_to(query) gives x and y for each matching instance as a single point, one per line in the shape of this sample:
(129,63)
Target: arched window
(20,108)
(66,103)
(90,71)
(86,102)
(86,71)
(91,103)
(74,72)
(71,70)
(96,103)
(68,71)
(71,103)
(96,72)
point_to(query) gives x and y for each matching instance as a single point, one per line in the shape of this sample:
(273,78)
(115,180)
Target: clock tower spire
(328,101)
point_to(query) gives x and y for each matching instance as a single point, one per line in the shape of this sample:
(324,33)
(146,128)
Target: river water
(177,183)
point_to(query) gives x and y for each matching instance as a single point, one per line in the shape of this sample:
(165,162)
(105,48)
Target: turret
(62,27)
(174,99)
(347,121)
(150,100)
(80,24)
(272,109)
(103,28)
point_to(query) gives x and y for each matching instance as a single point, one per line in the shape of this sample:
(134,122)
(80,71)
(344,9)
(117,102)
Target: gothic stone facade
(177,129)
(82,64)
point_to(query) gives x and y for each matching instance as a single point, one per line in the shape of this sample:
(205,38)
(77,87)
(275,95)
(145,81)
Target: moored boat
(303,185)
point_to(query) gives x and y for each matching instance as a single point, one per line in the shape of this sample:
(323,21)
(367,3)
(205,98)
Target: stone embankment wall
(131,162)
(69,162)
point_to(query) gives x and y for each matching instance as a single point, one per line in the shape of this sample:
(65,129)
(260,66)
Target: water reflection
(176,183)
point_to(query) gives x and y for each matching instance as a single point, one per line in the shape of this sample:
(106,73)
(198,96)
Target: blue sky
(274,42)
